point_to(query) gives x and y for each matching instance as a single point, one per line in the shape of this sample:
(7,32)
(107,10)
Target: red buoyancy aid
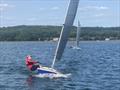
(29,62)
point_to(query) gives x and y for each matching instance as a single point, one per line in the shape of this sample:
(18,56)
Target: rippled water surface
(95,67)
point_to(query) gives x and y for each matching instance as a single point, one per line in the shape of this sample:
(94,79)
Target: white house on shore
(107,39)
(55,39)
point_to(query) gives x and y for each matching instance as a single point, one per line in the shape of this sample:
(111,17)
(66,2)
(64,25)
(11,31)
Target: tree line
(35,33)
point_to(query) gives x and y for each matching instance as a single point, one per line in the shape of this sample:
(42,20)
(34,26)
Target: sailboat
(77,37)
(50,71)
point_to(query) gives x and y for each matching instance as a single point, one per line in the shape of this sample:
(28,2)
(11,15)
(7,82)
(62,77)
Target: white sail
(78,34)
(71,13)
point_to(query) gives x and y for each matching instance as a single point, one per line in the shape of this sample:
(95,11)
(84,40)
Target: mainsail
(78,34)
(71,13)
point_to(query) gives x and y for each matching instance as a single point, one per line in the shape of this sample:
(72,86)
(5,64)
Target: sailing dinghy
(77,37)
(50,72)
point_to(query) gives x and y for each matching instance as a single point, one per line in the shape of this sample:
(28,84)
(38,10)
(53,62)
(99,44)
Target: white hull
(46,72)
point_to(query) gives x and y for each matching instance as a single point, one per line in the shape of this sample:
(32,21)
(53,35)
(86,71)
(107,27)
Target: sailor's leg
(34,67)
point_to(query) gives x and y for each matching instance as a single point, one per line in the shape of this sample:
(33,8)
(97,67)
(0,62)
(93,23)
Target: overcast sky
(52,12)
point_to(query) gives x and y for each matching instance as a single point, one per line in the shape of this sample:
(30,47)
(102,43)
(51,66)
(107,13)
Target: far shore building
(55,39)
(39,39)
(107,39)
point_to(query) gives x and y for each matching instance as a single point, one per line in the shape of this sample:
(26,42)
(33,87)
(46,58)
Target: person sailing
(31,64)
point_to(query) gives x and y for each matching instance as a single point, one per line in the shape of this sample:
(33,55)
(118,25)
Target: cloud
(1,17)
(97,7)
(93,8)
(99,15)
(6,18)
(32,19)
(51,8)
(55,8)
(103,8)
(41,8)
(4,6)
(9,18)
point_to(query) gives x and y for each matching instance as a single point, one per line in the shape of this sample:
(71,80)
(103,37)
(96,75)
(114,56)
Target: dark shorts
(34,67)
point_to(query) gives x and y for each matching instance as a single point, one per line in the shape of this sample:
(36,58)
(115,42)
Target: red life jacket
(29,63)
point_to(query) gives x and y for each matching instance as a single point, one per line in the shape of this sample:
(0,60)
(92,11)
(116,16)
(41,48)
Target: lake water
(95,67)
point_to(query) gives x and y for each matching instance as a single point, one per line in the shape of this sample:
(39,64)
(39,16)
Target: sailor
(32,65)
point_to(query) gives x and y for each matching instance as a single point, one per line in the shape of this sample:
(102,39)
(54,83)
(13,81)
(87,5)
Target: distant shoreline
(49,33)
(57,41)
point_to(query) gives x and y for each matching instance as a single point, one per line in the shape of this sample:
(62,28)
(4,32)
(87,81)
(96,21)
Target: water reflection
(29,80)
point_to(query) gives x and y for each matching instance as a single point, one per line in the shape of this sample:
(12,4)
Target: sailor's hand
(37,62)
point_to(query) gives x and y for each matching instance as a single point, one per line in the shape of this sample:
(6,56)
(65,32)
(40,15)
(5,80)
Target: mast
(71,13)
(78,34)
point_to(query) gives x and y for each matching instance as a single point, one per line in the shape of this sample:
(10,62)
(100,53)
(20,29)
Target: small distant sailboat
(51,72)
(77,37)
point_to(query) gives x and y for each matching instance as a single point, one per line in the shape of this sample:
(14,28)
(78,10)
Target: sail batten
(71,13)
